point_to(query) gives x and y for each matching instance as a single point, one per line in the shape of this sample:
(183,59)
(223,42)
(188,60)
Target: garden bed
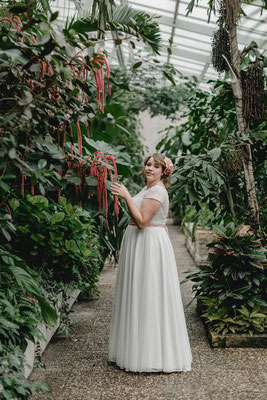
(218,340)
(39,346)
(197,245)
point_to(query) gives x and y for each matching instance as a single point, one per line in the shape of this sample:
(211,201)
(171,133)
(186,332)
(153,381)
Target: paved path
(77,368)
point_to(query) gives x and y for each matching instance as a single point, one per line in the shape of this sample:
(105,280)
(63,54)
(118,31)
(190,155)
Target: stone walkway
(77,368)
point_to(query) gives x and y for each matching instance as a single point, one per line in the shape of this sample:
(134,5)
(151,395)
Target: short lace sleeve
(157,193)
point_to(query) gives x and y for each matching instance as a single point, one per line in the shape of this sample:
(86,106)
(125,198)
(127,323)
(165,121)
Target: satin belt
(131,222)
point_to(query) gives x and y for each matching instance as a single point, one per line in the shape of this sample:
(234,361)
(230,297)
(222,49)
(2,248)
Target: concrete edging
(48,333)
(217,340)
(197,245)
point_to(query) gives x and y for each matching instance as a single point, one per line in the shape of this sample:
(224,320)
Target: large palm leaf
(123,19)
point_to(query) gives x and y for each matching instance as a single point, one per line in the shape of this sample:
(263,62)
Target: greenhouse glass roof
(191,34)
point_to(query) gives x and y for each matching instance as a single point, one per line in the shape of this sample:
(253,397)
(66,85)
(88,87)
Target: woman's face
(153,171)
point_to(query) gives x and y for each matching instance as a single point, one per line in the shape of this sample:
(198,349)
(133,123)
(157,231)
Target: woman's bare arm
(148,208)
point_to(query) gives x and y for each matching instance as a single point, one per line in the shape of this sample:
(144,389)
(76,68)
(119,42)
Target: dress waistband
(131,222)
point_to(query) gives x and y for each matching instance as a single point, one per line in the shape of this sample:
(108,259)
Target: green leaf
(58,217)
(91,181)
(7,324)
(73,179)
(14,203)
(218,230)
(42,163)
(215,153)
(27,99)
(42,189)
(18,8)
(21,390)
(71,245)
(54,16)
(259,135)
(120,85)
(6,234)
(49,314)
(38,199)
(123,129)
(15,55)
(12,153)
(25,280)
(169,77)
(261,302)
(137,65)
(4,186)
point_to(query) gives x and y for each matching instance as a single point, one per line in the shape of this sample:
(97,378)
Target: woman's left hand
(120,190)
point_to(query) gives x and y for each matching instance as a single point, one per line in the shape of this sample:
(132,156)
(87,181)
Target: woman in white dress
(148,330)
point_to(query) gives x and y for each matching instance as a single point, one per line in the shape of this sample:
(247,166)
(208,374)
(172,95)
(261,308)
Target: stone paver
(77,368)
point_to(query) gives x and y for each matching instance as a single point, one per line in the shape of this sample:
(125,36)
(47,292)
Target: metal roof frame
(185,30)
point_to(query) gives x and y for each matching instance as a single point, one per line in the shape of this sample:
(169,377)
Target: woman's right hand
(119,190)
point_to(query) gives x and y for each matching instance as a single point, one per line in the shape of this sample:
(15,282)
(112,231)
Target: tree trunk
(245,152)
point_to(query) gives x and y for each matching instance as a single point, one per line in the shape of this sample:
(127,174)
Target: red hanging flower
(100,172)
(79,137)
(97,61)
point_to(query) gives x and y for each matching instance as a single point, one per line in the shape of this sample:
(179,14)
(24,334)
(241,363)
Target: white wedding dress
(148,330)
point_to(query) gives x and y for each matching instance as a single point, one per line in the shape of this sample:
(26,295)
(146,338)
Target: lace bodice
(156,192)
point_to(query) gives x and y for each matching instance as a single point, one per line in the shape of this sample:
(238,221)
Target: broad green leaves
(215,153)
(27,282)
(57,217)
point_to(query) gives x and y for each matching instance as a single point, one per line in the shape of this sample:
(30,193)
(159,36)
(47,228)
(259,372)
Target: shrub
(58,239)
(13,384)
(231,290)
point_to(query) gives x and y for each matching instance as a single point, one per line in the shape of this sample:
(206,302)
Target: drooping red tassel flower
(100,172)
(87,129)
(97,61)
(79,137)
(116,201)
(15,22)
(71,144)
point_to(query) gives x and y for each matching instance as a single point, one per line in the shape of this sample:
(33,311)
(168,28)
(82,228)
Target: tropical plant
(208,119)
(110,239)
(229,14)
(218,318)
(158,88)
(51,235)
(198,179)
(234,280)
(19,316)
(201,217)
(52,90)
(104,17)
(209,133)
(23,304)
(23,281)
(56,91)
(13,384)
(55,83)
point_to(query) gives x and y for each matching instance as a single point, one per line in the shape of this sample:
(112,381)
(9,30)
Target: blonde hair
(159,158)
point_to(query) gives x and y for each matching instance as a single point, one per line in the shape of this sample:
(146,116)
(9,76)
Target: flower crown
(169,166)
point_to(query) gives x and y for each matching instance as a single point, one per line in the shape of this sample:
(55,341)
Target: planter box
(39,346)
(197,246)
(218,340)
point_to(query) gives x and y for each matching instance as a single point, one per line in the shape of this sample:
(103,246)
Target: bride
(148,330)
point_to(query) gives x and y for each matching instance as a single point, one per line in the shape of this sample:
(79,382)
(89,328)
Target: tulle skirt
(148,330)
